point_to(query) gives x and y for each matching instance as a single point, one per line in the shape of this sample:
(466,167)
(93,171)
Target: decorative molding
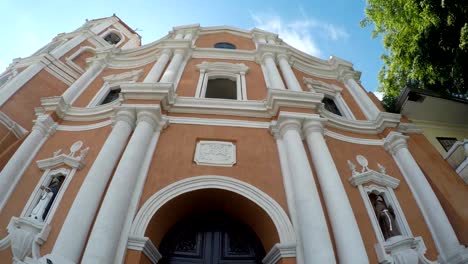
(408,128)
(23,233)
(280,219)
(14,127)
(217,122)
(146,245)
(278,252)
(65,159)
(360,141)
(402,250)
(377,126)
(215,153)
(84,127)
(235,68)
(371,176)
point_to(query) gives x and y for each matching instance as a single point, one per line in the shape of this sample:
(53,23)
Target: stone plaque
(215,153)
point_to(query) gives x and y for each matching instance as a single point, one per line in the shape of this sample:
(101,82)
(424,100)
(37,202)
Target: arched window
(224,45)
(112,38)
(331,106)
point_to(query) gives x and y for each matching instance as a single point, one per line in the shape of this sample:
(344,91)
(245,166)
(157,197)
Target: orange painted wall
(60,140)
(257,159)
(209,40)
(343,151)
(256,86)
(20,107)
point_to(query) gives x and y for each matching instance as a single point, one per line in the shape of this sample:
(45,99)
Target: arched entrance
(210,239)
(203,195)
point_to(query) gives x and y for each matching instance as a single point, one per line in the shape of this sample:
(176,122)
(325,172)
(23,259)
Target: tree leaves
(426,42)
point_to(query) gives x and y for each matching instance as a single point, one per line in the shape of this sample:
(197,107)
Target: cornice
(383,120)
(372,176)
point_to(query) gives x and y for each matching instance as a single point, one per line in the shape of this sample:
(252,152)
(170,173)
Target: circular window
(224,45)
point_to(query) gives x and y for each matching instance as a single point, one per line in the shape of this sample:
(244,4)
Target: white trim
(84,127)
(269,205)
(361,141)
(217,122)
(374,177)
(110,82)
(145,245)
(278,252)
(70,59)
(213,70)
(17,130)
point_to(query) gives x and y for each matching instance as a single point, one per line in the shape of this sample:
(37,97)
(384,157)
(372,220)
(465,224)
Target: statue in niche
(385,216)
(47,198)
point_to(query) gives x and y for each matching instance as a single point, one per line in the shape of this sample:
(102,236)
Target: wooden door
(211,239)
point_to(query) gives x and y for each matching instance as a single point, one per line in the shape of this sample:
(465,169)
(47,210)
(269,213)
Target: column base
(461,257)
(54,259)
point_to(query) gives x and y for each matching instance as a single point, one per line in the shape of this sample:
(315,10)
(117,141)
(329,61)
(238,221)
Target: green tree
(426,44)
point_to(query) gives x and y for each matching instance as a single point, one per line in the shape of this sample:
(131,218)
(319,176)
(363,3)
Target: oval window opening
(224,45)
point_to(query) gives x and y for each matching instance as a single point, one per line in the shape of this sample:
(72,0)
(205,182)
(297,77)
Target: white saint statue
(38,211)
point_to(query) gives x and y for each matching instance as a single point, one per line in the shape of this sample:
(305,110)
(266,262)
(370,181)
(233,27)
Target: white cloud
(379,95)
(302,34)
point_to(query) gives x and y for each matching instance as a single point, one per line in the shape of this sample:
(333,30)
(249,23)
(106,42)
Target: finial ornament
(352,167)
(381,168)
(363,162)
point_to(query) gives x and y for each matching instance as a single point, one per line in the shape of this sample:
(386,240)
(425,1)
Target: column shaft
(273,73)
(367,106)
(72,237)
(158,67)
(72,93)
(311,219)
(348,239)
(444,236)
(171,72)
(288,187)
(13,170)
(288,74)
(106,232)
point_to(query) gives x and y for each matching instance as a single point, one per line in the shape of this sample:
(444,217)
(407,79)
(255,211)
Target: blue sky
(318,27)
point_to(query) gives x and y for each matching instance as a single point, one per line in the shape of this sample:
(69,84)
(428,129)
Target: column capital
(166,51)
(266,55)
(125,114)
(313,125)
(179,51)
(283,56)
(394,142)
(152,115)
(289,121)
(45,124)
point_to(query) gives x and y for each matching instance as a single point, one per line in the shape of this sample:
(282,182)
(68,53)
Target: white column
(312,226)
(68,45)
(13,171)
(107,230)
(288,74)
(72,237)
(72,93)
(18,81)
(450,250)
(158,67)
(272,71)
(288,188)
(348,240)
(370,110)
(171,72)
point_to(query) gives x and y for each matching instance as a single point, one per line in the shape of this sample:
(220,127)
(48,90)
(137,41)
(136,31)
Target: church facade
(213,145)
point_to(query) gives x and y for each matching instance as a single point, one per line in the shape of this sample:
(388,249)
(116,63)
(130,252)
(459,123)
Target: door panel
(211,239)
